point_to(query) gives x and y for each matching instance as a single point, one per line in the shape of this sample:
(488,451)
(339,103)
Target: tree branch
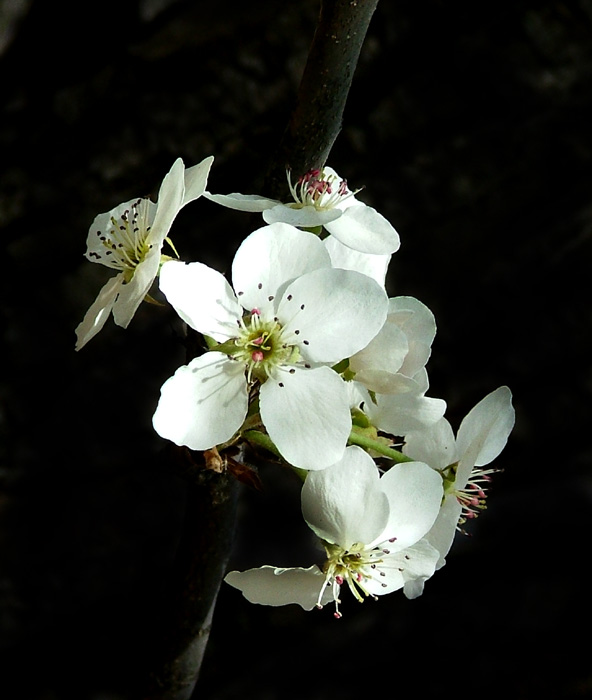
(317,117)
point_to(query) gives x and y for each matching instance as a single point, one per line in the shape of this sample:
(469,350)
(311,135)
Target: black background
(469,125)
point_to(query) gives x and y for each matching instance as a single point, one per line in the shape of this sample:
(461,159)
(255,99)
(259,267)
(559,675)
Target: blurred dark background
(469,125)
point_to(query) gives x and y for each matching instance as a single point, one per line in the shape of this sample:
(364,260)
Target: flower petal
(414,493)
(484,431)
(306,413)
(362,228)
(419,325)
(270,258)
(347,258)
(132,293)
(386,351)
(270,585)
(345,503)
(401,569)
(204,403)
(399,414)
(99,311)
(332,314)
(442,533)
(196,179)
(170,201)
(202,297)
(305,217)
(434,445)
(242,202)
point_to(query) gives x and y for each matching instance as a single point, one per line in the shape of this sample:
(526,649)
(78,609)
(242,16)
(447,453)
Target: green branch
(367,443)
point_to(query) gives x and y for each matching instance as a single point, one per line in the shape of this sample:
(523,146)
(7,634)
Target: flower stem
(367,443)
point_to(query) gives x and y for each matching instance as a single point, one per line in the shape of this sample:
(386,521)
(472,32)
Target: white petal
(414,492)
(132,294)
(202,297)
(442,533)
(401,568)
(242,202)
(345,503)
(363,228)
(399,414)
(270,258)
(97,314)
(307,415)
(386,351)
(270,585)
(170,201)
(485,429)
(382,382)
(196,179)
(337,312)
(305,217)
(204,403)
(435,445)
(347,258)
(419,325)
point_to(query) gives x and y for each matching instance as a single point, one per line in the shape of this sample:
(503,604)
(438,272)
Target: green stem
(369,444)
(255,437)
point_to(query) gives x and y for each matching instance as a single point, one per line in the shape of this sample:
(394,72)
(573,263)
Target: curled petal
(196,179)
(270,585)
(242,202)
(99,311)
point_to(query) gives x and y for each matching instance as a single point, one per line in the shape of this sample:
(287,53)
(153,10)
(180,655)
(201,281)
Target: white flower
(290,317)
(129,239)
(481,437)
(392,367)
(322,198)
(371,528)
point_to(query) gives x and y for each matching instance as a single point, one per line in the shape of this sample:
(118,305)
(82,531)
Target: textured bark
(200,565)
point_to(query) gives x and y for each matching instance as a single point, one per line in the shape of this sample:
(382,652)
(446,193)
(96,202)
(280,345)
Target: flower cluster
(305,354)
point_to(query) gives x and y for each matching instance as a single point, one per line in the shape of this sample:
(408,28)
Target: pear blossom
(322,198)
(275,337)
(389,377)
(129,240)
(371,528)
(481,437)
